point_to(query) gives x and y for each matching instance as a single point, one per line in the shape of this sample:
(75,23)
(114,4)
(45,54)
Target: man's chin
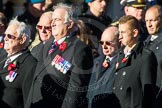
(105,53)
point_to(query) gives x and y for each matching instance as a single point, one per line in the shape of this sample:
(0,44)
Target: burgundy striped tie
(54,45)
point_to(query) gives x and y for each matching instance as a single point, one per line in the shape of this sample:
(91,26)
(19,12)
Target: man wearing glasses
(17,66)
(44,32)
(102,75)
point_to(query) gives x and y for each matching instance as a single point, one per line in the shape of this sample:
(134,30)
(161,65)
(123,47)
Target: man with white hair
(17,66)
(63,74)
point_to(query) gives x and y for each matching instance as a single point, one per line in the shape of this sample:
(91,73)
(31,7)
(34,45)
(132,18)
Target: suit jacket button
(124,73)
(121,88)
(116,73)
(157,47)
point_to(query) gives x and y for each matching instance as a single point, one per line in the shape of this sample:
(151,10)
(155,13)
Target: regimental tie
(53,47)
(8,61)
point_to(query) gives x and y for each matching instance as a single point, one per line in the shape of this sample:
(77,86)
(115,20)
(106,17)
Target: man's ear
(135,32)
(23,39)
(89,4)
(126,10)
(70,24)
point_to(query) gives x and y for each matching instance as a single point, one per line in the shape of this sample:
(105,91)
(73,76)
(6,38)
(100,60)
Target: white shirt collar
(110,58)
(61,40)
(153,37)
(12,58)
(15,56)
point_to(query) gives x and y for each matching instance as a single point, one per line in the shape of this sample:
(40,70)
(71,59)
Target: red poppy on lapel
(105,64)
(12,66)
(12,74)
(63,46)
(1,45)
(124,59)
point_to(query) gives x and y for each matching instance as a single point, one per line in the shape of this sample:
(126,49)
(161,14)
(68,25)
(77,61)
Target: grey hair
(117,33)
(69,11)
(22,29)
(116,30)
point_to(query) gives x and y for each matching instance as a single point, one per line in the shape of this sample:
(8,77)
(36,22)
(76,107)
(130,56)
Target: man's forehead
(58,12)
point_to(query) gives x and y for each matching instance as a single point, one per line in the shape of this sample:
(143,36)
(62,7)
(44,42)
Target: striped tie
(54,45)
(8,61)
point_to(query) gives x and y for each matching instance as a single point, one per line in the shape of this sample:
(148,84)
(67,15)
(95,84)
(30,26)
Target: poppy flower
(12,66)
(124,59)
(63,46)
(1,45)
(105,64)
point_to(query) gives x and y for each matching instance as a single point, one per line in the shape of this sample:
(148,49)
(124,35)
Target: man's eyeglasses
(45,27)
(9,36)
(106,42)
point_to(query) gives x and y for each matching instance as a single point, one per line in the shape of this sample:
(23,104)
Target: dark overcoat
(156,47)
(14,94)
(101,83)
(51,88)
(135,78)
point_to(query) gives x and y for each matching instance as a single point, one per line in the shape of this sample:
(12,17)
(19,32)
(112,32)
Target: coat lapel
(19,60)
(156,42)
(46,47)
(47,59)
(136,50)
(105,71)
(4,70)
(119,60)
(100,69)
